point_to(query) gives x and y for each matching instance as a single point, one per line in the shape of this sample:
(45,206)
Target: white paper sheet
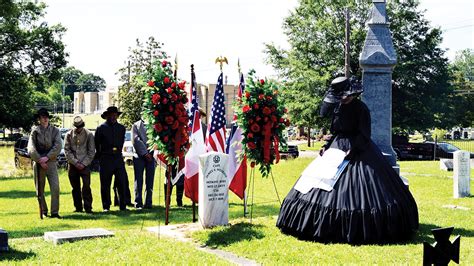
(323,172)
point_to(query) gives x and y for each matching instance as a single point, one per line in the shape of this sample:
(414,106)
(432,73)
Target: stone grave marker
(446,164)
(213,189)
(462,174)
(60,237)
(3,240)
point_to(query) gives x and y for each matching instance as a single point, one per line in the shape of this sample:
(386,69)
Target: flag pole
(175,74)
(168,190)
(194,203)
(245,191)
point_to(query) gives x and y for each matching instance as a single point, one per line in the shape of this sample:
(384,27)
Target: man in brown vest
(79,148)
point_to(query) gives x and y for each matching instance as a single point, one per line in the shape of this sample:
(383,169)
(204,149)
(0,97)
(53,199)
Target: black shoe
(56,215)
(78,210)
(147,207)
(123,209)
(89,211)
(45,214)
(180,204)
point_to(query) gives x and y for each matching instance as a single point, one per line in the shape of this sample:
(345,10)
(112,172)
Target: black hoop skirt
(368,204)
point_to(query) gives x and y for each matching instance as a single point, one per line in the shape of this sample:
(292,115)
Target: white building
(94,102)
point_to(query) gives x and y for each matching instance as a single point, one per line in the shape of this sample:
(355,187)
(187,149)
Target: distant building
(94,102)
(206,96)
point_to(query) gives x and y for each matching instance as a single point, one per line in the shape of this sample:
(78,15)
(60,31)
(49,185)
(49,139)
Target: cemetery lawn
(315,146)
(259,240)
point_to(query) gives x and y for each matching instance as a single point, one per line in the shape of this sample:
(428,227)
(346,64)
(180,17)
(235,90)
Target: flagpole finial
(221,60)
(176,66)
(238,66)
(192,67)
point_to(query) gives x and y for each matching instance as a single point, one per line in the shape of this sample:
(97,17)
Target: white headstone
(213,189)
(446,164)
(462,172)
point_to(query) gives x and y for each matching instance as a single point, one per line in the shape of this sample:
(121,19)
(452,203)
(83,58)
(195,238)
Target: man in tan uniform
(79,148)
(44,146)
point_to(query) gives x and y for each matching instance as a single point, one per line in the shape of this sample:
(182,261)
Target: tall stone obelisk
(377,60)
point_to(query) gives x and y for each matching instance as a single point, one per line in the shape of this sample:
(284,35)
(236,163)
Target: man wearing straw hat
(79,148)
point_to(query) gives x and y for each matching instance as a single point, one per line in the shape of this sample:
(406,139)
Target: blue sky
(100,32)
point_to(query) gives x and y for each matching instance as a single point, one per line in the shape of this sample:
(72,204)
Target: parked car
(23,160)
(290,152)
(128,151)
(422,151)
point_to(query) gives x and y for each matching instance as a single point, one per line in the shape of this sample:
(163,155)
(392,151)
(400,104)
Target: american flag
(215,140)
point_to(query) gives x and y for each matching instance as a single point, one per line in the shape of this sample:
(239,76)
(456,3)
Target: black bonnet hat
(342,86)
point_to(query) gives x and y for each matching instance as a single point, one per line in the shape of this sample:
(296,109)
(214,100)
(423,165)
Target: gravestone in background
(3,240)
(377,60)
(462,172)
(213,189)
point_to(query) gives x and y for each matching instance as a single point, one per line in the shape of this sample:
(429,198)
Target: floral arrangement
(164,113)
(261,115)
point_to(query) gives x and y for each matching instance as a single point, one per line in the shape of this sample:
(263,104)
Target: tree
(134,74)
(75,80)
(70,76)
(91,82)
(31,55)
(315,32)
(462,111)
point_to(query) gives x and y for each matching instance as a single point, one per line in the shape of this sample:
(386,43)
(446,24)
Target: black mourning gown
(369,202)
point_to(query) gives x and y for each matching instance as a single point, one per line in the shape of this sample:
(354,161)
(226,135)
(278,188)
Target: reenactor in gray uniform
(79,148)
(142,161)
(44,146)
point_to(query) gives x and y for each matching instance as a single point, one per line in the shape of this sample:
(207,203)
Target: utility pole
(347,54)
(64,88)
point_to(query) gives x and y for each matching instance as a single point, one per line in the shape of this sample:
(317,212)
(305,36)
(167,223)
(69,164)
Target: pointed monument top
(378,14)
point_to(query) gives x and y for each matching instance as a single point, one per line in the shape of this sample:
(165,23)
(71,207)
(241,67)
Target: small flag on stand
(237,170)
(197,148)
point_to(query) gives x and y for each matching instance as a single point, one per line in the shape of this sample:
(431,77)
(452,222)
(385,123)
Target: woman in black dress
(369,203)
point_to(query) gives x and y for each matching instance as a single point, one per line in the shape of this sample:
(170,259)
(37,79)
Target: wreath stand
(252,188)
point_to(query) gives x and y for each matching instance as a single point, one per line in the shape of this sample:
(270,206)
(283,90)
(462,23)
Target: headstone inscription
(213,189)
(462,173)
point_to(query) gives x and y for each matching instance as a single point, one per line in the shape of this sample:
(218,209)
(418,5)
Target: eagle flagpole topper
(221,60)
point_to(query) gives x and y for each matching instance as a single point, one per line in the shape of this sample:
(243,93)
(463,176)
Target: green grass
(259,240)
(432,189)
(92,121)
(127,247)
(466,145)
(315,146)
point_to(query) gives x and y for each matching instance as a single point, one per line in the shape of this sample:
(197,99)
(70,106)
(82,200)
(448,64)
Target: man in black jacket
(109,139)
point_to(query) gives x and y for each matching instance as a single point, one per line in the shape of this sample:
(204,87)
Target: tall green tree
(75,80)
(91,82)
(31,56)
(462,111)
(134,74)
(315,33)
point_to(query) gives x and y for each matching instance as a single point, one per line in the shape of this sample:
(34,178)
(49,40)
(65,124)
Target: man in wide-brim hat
(44,146)
(111,110)
(109,139)
(79,148)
